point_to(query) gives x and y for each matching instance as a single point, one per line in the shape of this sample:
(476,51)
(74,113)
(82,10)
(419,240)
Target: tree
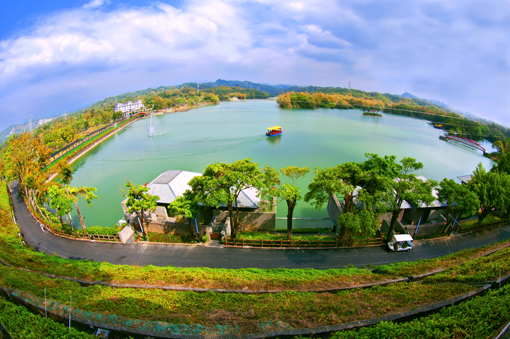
(61,201)
(222,183)
(503,164)
(492,189)
(87,193)
(116,115)
(273,187)
(24,155)
(397,183)
(66,172)
(186,206)
(460,200)
(140,201)
(342,179)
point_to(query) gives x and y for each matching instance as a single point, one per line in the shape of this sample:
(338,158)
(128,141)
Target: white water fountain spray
(151,128)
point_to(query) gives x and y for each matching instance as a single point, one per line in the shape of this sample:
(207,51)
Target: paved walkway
(219,257)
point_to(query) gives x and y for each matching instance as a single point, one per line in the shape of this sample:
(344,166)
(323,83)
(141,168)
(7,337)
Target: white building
(129,107)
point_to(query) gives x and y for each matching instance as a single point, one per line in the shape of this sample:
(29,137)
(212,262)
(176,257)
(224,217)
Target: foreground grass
(480,317)
(22,324)
(294,309)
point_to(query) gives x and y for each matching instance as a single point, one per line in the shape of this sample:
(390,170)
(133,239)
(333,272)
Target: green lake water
(236,130)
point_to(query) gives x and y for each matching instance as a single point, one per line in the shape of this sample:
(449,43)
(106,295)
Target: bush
(101,230)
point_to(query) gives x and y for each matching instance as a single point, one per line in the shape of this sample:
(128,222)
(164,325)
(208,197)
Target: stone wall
(176,228)
(428,230)
(249,221)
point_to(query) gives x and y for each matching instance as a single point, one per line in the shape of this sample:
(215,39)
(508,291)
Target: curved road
(219,257)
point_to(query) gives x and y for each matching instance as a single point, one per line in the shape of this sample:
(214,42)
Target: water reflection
(274,140)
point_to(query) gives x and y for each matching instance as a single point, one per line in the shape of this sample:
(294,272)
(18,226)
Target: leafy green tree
(66,172)
(82,192)
(397,184)
(116,115)
(502,146)
(339,180)
(140,201)
(274,187)
(222,183)
(492,189)
(62,202)
(186,206)
(460,200)
(503,164)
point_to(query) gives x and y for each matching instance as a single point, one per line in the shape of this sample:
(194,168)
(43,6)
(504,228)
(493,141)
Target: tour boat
(274,131)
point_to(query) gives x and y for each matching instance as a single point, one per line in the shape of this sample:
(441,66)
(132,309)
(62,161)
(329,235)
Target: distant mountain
(272,90)
(441,104)
(20,128)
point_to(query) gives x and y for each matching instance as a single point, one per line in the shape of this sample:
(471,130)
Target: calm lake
(236,130)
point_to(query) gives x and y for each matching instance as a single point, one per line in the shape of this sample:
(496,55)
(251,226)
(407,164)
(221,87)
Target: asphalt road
(219,257)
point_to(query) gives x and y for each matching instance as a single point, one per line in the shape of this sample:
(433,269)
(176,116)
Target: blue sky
(58,56)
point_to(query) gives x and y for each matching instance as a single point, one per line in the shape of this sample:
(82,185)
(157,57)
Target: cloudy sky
(62,55)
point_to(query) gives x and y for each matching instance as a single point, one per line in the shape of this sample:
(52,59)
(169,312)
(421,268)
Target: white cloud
(95,3)
(453,51)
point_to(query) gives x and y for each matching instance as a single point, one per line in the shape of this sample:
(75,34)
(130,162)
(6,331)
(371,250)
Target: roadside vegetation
(297,307)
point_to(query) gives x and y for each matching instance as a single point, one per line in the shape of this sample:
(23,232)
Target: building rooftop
(465,178)
(173,183)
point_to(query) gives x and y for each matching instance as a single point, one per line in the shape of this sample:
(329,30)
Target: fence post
(416,230)
(281,242)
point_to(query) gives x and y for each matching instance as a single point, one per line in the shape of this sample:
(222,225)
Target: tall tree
(274,187)
(62,202)
(24,155)
(82,192)
(460,200)
(339,180)
(492,189)
(399,184)
(222,183)
(186,206)
(140,201)
(66,172)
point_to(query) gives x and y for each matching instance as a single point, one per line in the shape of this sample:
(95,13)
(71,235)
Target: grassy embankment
(247,313)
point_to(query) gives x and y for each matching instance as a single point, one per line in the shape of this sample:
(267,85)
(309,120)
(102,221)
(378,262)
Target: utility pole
(30,123)
(349,86)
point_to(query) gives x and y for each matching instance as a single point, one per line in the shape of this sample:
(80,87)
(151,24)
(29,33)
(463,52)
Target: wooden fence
(349,242)
(84,236)
(487,226)
(74,235)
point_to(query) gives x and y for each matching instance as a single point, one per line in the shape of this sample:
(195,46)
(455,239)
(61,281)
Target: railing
(74,235)
(482,227)
(350,242)
(84,236)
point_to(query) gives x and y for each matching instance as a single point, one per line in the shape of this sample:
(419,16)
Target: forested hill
(442,117)
(165,96)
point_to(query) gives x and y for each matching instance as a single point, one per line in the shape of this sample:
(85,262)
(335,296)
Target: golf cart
(400,242)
